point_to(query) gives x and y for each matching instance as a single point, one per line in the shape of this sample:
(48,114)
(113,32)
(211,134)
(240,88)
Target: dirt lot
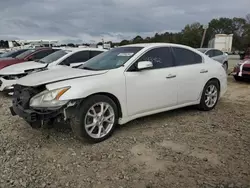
(181,148)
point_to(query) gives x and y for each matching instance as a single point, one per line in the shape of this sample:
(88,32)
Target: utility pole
(205,27)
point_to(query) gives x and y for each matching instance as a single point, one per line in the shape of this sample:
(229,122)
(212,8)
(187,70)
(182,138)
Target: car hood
(21,67)
(55,75)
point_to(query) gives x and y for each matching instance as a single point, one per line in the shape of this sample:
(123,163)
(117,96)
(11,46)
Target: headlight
(49,98)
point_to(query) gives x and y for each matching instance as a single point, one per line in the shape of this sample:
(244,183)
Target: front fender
(86,86)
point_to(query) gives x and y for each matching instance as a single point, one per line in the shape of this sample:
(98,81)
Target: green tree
(124,42)
(137,39)
(192,35)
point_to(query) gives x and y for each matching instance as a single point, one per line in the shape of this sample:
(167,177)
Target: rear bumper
(6,84)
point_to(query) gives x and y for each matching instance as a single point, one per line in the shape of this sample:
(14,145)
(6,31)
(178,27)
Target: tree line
(191,35)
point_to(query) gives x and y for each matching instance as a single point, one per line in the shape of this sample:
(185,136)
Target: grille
(22,95)
(246,68)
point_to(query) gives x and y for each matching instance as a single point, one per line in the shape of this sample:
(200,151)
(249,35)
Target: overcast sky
(91,20)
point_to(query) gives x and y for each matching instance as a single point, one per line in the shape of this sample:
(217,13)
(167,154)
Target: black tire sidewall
(237,78)
(225,65)
(203,105)
(79,121)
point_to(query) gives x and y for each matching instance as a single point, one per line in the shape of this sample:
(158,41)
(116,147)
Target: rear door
(191,74)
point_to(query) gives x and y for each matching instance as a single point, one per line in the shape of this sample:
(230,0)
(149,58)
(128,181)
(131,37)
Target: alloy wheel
(211,96)
(99,120)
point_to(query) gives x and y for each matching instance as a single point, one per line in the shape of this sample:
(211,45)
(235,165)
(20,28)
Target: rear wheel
(96,119)
(210,95)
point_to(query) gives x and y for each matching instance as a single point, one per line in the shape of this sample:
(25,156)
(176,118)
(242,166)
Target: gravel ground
(181,148)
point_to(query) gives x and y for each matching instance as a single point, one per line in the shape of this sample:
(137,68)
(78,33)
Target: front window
(53,57)
(111,59)
(25,54)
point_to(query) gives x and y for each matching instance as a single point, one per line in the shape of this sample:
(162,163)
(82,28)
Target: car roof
(206,49)
(82,49)
(148,45)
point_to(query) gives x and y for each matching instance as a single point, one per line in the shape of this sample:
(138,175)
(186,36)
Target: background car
(29,55)
(69,57)
(12,54)
(216,55)
(241,70)
(118,86)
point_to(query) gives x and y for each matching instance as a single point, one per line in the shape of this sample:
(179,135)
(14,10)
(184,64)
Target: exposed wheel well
(112,97)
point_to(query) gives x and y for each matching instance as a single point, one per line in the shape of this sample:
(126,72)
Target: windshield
(111,59)
(53,57)
(7,54)
(24,54)
(13,53)
(202,50)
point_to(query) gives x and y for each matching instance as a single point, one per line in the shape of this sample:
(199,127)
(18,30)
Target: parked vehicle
(29,55)
(118,86)
(13,53)
(241,70)
(216,55)
(70,57)
(222,42)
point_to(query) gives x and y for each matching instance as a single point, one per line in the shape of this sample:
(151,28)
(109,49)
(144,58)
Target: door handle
(171,76)
(203,71)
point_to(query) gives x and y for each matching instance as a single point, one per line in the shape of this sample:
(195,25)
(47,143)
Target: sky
(91,20)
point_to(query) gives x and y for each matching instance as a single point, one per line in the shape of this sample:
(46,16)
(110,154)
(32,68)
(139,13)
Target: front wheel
(210,96)
(96,119)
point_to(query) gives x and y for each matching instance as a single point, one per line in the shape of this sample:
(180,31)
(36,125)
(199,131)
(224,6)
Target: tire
(225,66)
(78,122)
(238,78)
(203,105)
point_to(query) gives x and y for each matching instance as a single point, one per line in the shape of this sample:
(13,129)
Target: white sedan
(70,57)
(118,86)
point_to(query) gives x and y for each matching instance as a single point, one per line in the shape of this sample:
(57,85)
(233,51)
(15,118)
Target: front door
(155,88)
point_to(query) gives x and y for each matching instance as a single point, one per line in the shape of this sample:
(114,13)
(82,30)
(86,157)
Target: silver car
(216,55)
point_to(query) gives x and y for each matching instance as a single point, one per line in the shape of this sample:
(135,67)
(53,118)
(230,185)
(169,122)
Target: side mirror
(144,65)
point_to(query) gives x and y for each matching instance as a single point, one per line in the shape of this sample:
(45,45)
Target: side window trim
(135,61)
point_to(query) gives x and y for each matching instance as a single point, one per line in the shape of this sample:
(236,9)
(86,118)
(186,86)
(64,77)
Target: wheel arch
(113,98)
(216,79)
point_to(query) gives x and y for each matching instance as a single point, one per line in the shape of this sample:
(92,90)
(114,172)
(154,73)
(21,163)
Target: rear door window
(95,53)
(185,56)
(77,57)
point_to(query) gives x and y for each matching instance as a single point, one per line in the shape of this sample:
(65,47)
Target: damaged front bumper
(31,115)
(43,116)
